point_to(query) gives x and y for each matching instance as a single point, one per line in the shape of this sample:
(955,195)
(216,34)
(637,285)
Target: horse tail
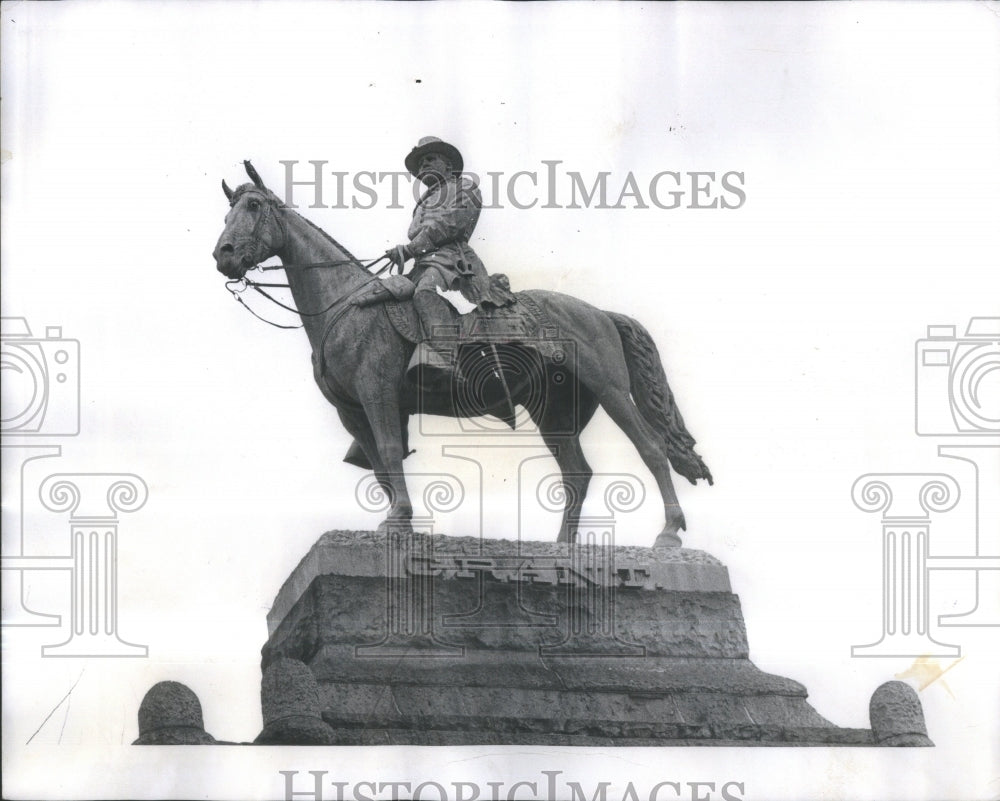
(652,395)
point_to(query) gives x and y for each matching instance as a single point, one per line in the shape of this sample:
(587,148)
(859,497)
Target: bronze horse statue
(616,364)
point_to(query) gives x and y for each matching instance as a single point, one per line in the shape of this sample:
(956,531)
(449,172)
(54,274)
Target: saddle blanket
(522,322)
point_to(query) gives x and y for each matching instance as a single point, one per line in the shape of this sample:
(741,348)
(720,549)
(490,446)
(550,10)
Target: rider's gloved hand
(399,254)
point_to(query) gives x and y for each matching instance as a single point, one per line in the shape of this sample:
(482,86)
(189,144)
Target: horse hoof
(398,526)
(667,539)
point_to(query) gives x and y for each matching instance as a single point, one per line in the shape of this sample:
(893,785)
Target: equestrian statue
(384,349)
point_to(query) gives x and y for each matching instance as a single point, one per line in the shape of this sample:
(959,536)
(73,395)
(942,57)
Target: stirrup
(432,370)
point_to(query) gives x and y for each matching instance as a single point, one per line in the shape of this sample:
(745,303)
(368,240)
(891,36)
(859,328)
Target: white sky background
(868,138)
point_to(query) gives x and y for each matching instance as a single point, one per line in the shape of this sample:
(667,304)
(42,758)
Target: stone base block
(426,640)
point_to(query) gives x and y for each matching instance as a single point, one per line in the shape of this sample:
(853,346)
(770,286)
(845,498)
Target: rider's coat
(443,221)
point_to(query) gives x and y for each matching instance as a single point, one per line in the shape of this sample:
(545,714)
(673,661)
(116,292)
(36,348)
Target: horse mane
(242,189)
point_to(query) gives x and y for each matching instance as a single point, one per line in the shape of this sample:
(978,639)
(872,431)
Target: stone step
(639,736)
(648,676)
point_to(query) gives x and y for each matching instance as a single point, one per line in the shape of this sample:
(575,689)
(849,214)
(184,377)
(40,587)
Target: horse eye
(253,205)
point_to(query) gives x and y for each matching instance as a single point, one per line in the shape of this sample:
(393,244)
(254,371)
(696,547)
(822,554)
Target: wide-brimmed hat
(431,144)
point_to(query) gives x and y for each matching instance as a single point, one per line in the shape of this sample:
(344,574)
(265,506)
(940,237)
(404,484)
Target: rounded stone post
(897,717)
(170,714)
(290,702)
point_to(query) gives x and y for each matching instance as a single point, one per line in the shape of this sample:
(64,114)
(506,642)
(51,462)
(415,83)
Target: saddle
(520,322)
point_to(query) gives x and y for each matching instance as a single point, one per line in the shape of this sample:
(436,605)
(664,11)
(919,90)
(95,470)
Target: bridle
(237,286)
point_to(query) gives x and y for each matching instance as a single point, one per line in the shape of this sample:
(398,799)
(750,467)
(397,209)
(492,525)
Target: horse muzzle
(229,265)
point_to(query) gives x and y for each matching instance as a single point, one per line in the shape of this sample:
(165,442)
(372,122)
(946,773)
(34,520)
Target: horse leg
(576,474)
(560,424)
(602,365)
(386,426)
(614,396)
(357,426)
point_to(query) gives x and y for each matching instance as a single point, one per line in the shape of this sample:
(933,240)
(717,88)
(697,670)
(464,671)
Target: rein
(239,285)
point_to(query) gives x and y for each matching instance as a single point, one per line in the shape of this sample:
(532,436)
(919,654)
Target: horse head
(254,230)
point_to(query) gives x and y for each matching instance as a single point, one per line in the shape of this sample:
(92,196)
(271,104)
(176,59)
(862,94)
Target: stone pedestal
(450,640)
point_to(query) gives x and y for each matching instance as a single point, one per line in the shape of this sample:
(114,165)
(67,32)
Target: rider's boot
(434,366)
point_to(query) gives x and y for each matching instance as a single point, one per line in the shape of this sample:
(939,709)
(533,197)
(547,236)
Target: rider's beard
(430,177)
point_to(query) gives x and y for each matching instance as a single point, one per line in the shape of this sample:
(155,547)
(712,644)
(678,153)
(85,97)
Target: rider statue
(443,221)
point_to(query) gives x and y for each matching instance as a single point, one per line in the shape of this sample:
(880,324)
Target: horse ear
(227,190)
(253,175)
